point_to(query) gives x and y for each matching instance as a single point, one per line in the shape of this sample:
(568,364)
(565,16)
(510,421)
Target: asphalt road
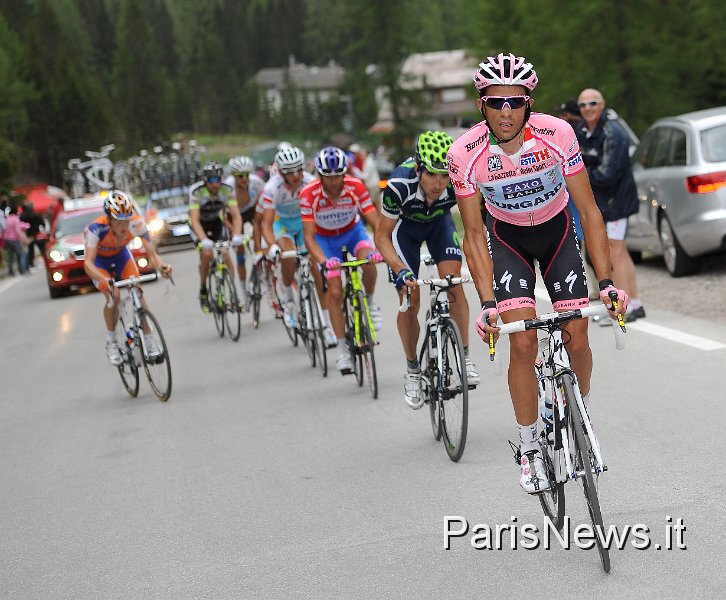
(261,479)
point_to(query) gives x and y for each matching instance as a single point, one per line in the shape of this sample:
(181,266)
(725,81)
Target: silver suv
(680,173)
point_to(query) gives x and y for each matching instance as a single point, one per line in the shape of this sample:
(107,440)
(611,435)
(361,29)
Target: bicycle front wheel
(584,465)
(304,325)
(231,307)
(215,285)
(429,381)
(367,346)
(553,500)
(128,369)
(256,294)
(155,355)
(454,392)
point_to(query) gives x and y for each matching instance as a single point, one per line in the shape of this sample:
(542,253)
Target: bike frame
(353,284)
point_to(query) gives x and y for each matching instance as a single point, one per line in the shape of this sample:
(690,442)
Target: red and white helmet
(505,69)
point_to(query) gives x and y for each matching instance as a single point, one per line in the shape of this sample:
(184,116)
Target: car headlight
(155,225)
(143,262)
(136,243)
(59,254)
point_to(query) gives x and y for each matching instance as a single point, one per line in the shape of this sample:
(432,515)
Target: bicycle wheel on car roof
(215,287)
(128,369)
(454,393)
(155,355)
(583,465)
(231,307)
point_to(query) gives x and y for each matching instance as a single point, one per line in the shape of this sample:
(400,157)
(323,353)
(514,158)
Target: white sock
(635,303)
(110,336)
(243,286)
(370,299)
(586,400)
(286,293)
(326,317)
(528,437)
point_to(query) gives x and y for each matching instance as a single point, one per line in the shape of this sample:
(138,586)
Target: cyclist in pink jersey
(525,166)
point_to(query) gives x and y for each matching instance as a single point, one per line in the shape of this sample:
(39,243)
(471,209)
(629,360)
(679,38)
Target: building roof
(301,76)
(436,70)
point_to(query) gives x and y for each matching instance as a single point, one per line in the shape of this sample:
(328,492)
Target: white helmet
(241,164)
(289,160)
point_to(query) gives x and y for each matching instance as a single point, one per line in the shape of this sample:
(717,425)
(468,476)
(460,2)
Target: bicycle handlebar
(442,284)
(549,319)
(136,279)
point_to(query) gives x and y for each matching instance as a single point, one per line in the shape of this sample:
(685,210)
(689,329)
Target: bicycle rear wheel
(256,294)
(553,500)
(231,307)
(215,285)
(128,369)
(158,369)
(454,393)
(304,324)
(584,465)
(367,346)
(429,379)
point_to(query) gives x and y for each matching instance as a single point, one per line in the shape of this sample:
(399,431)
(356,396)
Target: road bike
(310,321)
(570,448)
(360,336)
(262,285)
(276,291)
(443,365)
(141,341)
(223,293)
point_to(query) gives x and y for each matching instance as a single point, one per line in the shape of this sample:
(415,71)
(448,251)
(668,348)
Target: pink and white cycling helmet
(505,69)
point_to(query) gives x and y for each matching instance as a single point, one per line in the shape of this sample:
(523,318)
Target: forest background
(77,74)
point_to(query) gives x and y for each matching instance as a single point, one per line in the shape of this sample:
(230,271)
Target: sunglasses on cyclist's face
(498,102)
(588,104)
(242,174)
(214,179)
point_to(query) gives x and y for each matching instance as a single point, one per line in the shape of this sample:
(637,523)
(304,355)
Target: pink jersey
(333,217)
(527,188)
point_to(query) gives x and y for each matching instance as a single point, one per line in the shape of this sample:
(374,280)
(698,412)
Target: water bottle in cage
(130,338)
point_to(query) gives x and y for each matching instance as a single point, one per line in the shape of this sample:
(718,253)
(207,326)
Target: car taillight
(383,183)
(704,184)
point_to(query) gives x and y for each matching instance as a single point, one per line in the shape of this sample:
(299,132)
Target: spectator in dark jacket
(604,146)
(36,224)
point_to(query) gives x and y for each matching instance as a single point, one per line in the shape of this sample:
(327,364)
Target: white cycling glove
(237,240)
(207,245)
(273,251)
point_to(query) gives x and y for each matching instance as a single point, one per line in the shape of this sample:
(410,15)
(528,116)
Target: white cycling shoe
(113,353)
(376,316)
(534,476)
(344,364)
(412,389)
(288,314)
(472,375)
(330,340)
(153,352)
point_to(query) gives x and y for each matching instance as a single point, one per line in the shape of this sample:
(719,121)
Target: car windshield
(69,224)
(170,202)
(714,144)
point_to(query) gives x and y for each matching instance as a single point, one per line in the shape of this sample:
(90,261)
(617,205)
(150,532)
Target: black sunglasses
(498,102)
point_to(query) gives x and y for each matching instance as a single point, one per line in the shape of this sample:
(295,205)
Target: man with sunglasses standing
(209,201)
(526,165)
(417,205)
(604,145)
(247,187)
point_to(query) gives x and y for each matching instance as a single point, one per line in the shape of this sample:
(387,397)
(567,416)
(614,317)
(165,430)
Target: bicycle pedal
(472,386)
(346,372)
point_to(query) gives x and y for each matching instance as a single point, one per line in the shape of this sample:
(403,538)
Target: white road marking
(667,333)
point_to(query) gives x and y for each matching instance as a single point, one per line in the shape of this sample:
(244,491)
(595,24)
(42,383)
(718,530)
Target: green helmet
(431,149)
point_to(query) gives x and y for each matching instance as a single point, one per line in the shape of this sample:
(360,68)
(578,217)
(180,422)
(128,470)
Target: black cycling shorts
(440,236)
(553,244)
(215,231)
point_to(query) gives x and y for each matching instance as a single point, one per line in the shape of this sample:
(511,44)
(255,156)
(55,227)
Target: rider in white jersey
(519,161)
(247,187)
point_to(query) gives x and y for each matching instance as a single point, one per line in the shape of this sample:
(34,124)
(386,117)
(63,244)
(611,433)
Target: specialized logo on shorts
(522,188)
(530,158)
(506,280)
(571,279)
(494,163)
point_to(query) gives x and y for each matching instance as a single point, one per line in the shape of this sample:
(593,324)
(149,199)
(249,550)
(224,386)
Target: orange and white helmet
(118,205)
